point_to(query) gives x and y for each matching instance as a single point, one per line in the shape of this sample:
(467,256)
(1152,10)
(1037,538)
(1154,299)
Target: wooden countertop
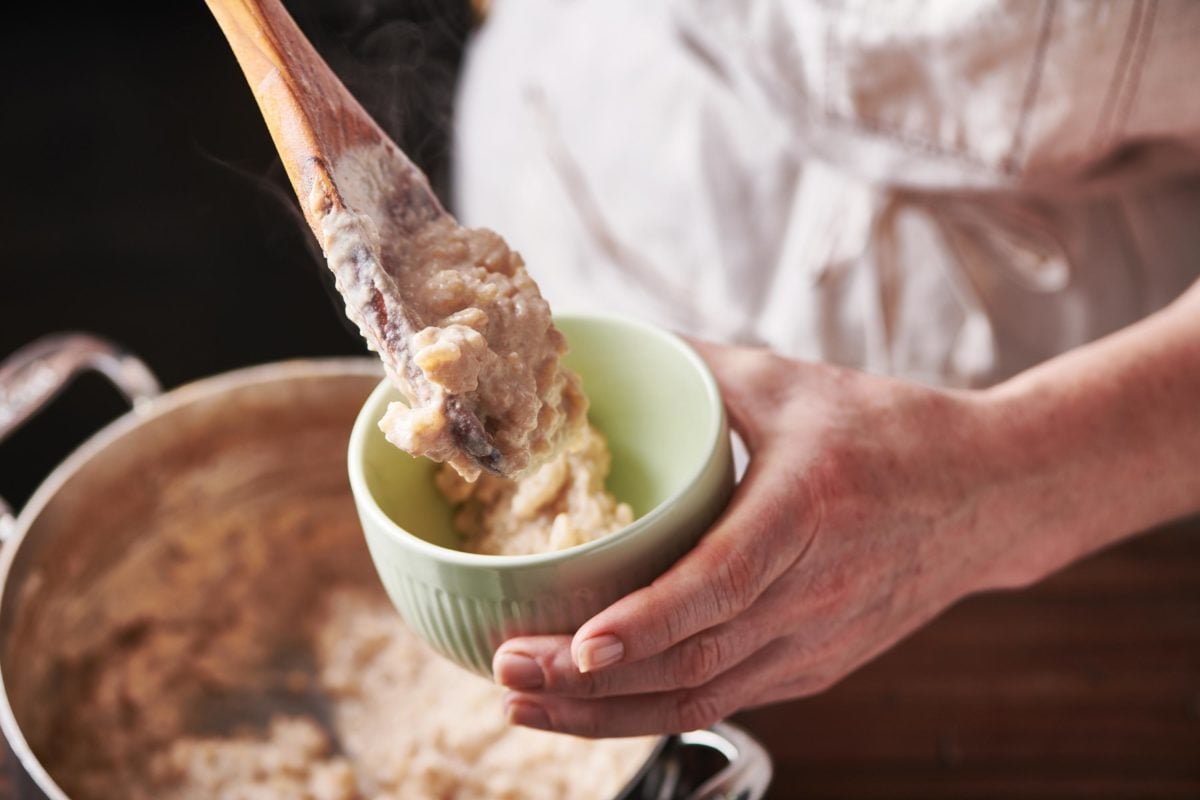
(1087,685)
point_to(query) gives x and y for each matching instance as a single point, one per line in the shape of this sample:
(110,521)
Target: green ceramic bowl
(660,408)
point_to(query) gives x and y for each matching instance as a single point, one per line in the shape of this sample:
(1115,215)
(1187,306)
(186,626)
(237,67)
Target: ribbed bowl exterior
(465,607)
(467,628)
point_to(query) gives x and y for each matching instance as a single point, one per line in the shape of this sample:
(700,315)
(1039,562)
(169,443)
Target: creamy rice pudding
(458,322)
(561,504)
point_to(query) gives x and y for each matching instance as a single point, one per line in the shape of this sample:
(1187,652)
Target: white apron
(945,191)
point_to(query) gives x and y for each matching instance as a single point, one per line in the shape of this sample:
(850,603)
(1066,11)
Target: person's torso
(945,191)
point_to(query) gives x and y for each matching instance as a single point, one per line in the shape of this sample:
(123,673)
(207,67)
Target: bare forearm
(1097,444)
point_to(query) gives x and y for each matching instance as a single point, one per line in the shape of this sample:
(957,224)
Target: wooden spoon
(314,120)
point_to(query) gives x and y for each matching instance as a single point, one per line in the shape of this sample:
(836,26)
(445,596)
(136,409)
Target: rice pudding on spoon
(459,325)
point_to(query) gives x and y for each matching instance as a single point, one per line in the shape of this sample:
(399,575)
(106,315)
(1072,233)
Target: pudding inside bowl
(657,403)
(649,393)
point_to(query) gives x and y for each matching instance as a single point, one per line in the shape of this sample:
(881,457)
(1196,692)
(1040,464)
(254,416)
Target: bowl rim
(367,503)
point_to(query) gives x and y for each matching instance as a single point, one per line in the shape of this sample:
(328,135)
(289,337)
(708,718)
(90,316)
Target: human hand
(856,522)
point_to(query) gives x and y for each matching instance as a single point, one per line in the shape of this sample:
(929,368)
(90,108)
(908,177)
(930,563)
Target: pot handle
(748,772)
(34,375)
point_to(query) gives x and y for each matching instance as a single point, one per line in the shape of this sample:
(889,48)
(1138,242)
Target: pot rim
(160,406)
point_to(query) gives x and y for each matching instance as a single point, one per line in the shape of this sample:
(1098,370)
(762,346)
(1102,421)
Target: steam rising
(400,58)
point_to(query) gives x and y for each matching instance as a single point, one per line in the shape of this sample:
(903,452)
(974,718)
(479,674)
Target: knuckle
(736,584)
(678,618)
(697,661)
(562,677)
(697,708)
(583,721)
(583,684)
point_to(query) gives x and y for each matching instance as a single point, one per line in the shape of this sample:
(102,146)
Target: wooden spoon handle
(311,115)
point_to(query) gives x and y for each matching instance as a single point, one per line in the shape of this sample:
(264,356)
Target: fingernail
(529,715)
(517,671)
(599,652)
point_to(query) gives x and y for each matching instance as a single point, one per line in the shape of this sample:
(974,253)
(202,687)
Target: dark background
(143,201)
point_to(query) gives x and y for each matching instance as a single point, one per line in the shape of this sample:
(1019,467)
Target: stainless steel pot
(206,463)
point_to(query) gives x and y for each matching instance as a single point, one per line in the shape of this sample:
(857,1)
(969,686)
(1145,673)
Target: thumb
(748,377)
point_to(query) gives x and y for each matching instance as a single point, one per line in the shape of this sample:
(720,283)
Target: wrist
(968,469)
(1004,503)
(1032,511)
(1086,449)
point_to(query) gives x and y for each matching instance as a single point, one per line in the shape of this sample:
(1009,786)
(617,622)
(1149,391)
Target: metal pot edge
(18,747)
